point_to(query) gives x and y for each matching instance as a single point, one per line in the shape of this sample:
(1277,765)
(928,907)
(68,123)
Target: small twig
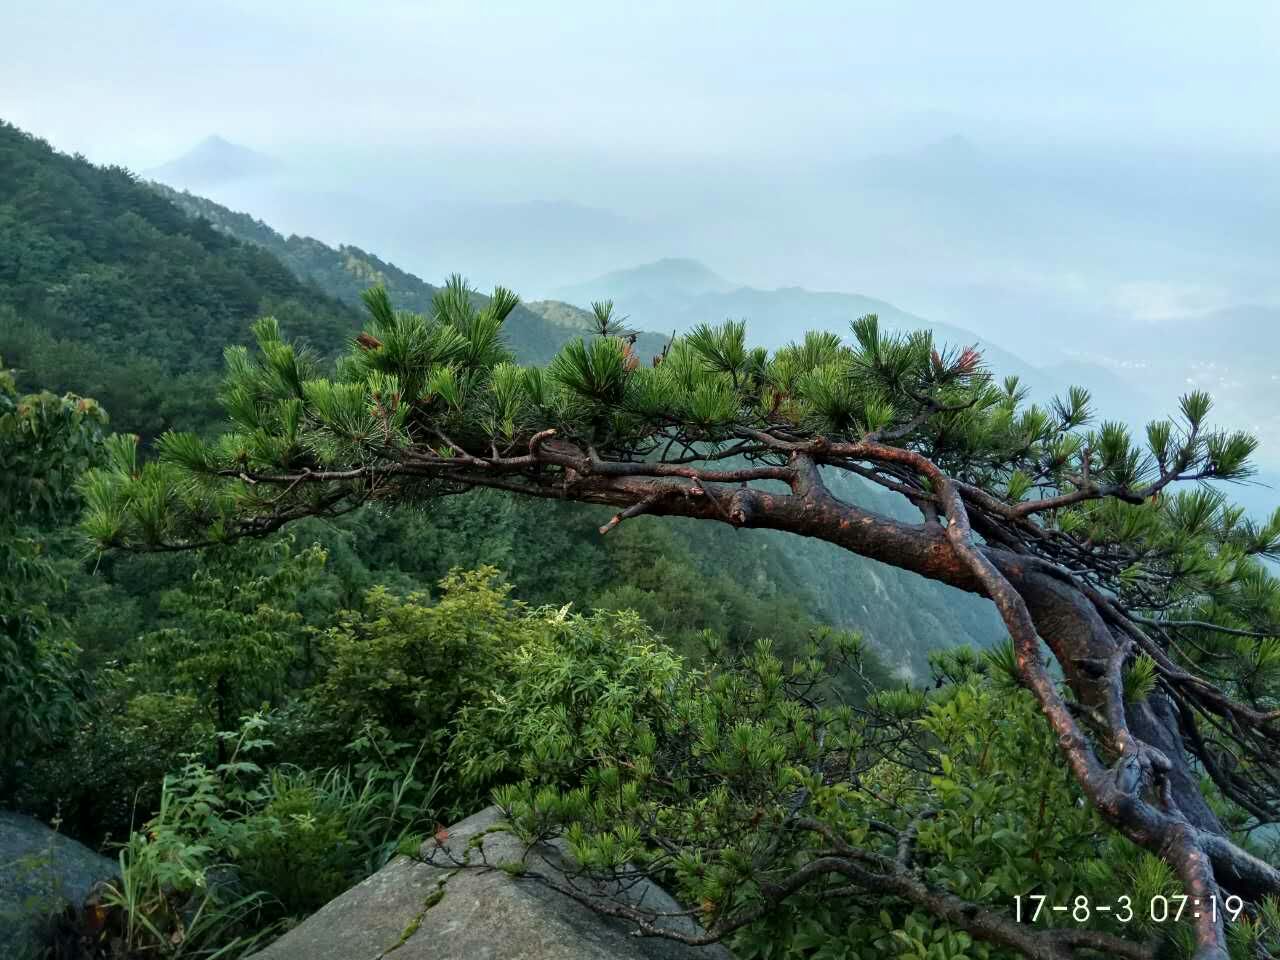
(642,506)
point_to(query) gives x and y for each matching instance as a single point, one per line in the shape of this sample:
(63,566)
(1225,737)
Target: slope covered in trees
(148,360)
(534,331)
(107,289)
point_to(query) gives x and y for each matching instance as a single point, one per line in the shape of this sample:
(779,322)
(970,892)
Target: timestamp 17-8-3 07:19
(1159,909)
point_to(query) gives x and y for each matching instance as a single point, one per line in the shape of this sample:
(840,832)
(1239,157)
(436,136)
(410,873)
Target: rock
(411,910)
(41,872)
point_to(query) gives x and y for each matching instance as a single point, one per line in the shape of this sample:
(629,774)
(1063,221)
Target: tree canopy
(1111,549)
(46,443)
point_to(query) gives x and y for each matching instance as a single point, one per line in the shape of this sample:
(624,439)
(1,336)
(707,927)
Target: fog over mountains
(1138,274)
(212,162)
(1080,186)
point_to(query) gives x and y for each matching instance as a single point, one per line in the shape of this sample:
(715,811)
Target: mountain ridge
(774,316)
(345,271)
(212,161)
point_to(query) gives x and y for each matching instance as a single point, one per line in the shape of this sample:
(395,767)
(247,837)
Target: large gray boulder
(412,910)
(41,871)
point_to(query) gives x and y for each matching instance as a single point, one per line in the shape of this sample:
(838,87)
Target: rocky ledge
(415,910)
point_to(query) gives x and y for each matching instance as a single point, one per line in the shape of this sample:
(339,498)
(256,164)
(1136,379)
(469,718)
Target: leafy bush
(316,834)
(45,443)
(235,630)
(717,790)
(401,668)
(107,774)
(236,852)
(558,698)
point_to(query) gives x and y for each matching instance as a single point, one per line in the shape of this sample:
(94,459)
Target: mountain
(138,288)
(649,287)
(535,331)
(108,289)
(679,294)
(214,161)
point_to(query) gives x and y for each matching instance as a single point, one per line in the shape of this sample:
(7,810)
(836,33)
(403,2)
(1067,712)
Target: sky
(137,82)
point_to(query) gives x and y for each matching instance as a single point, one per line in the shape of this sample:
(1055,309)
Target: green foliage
(92,255)
(137,380)
(107,770)
(1140,679)
(235,631)
(738,752)
(406,666)
(594,370)
(560,697)
(314,834)
(45,443)
(235,853)
(590,726)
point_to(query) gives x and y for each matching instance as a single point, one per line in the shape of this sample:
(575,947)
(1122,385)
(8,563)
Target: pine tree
(1112,550)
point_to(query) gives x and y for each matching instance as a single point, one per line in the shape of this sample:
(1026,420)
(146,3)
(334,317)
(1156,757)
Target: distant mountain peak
(682,266)
(215,159)
(669,276)
(218,142)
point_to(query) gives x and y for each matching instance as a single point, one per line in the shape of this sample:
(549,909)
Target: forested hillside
(109,290)
(120,330)
(898,612)
(534,331)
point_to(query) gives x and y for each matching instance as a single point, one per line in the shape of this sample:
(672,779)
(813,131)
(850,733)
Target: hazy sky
(137,82)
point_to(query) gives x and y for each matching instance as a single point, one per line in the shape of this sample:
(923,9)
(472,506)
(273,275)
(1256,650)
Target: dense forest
(292,573)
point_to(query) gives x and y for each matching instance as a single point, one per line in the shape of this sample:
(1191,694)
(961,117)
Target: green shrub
(46,442)
(403,667)
(704,794)
(233,631)
(557,700)
(298,847)
(106,776)
(316,834)
(235,852)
